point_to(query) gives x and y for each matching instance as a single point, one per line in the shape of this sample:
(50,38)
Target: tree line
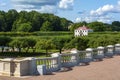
(98,26)
(24,21)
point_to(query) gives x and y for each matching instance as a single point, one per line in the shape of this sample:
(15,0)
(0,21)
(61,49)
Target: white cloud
(48,9)
(49,6)
(38,5)
(106,9)
(66,4)
(104,19)
(78,19)
(102,14)
(118,2)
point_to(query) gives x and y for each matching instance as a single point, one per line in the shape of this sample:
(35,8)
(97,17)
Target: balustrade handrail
(46,58)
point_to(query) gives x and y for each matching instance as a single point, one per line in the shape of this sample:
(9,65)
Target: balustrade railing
(51,64)
(68,60)
(57,61)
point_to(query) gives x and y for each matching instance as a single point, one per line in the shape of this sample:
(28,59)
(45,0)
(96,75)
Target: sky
(105,11)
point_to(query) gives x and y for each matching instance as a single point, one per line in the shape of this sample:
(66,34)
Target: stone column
(21,67)
(110,51)
(75,57)
(7,67)
(89,53)
(32,65)
(100,53)
(117,48)
(100,50)
(59,59)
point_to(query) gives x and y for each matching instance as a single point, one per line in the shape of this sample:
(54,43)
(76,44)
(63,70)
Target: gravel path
(108,69)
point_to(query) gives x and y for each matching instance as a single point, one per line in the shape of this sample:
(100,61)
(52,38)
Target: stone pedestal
(110,51)
(117,48)
(89,53)
(14,67)
(6,67)
(100,53)
(32,65)
(75,56)
(20,68)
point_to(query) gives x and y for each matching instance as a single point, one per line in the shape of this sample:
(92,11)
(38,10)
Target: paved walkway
(108,69)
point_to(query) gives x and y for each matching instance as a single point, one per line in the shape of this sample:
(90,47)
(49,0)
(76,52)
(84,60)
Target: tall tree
(45,44)
(97,26)
(24,27)
(11,16)
(3,25)
(59,43)
(47,26)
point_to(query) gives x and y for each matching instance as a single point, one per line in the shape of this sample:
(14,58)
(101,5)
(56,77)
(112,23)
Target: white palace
(82,31)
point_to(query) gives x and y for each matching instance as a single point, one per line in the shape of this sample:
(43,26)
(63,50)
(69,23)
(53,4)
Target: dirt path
(108,69)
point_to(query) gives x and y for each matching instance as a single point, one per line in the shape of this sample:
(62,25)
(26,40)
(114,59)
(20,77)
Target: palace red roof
(83,28)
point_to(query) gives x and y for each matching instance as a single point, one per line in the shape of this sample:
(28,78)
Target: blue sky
(75,10)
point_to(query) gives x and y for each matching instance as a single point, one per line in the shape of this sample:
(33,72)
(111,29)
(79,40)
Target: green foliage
(4,41)
(97,26)
(45,44)
(79,43)
(24,27)
(47,26)
(13,20)
(3,24)
(60,43)
(16,43)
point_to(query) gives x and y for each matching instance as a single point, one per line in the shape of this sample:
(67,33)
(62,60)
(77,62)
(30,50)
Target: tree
(45,44)
(28,43)
(36,20)
(11,16)
(97,26)
(18,22)
(16,43)
(46,26)
(4,41)
(24,27)
(116,26)
(78,43)
(59,43)
(64,24)
(3,24)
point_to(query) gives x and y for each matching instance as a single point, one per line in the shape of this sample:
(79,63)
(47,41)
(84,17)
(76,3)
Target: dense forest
(34,21)
(31,21)
(98,26)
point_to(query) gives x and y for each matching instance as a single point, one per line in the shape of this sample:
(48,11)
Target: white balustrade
(109,51)
(31,66)
(117,48)
(99,54)
(50,63)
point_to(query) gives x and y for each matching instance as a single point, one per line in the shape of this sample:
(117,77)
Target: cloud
(102,14)
(47,6)
(66,4)
(104,19)
(106,9)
